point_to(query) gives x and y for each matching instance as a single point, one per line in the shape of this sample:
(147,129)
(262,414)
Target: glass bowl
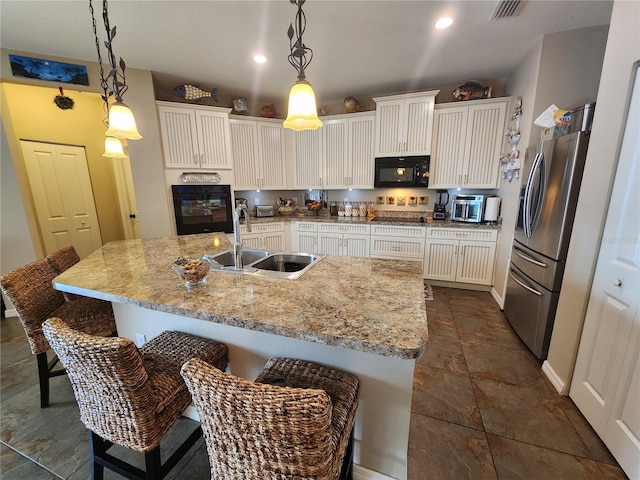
(193,272)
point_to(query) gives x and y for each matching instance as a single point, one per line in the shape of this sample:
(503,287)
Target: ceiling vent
(506,9)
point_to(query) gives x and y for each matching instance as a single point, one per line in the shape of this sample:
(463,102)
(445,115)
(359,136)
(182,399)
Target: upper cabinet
(404,124)
(467,142)
(195,136)
(258,154)
(338,155)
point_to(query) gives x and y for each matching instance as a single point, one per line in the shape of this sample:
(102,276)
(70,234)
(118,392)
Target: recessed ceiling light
(259,59)
(445,22)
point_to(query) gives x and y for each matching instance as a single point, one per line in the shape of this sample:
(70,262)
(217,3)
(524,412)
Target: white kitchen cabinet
(348,151)
(304,237)
(397,242)
(404,124)
(264,236)
(347,240)
(337,156)
(308,154)
(258,148)
(468,140)
(195,136)
(460,255)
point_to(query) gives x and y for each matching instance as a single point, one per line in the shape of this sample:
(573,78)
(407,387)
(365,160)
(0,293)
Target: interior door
(63,196)
(606,380)
(126,198)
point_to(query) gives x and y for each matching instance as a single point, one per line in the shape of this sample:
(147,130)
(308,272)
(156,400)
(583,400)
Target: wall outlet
(256,201)
(141,339)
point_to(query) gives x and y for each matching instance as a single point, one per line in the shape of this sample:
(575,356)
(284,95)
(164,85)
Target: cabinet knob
(617,282)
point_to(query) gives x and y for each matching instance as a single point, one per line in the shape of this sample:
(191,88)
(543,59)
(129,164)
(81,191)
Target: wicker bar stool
(256,430)
(31,291)
(129,396)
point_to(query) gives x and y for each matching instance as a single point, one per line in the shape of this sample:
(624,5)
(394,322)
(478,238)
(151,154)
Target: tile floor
(482,409)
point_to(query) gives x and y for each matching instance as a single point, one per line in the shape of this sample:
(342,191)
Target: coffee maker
(442,199)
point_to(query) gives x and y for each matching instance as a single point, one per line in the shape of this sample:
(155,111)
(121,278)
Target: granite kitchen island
(362,315)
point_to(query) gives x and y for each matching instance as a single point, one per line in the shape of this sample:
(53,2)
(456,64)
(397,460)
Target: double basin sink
(266,264)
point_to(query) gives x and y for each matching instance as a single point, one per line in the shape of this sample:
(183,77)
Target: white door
(126,198)
(606,379)
(63,197)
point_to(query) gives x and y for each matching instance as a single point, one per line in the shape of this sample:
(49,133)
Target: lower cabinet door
(305,242)
(475,262)
(356,245)
(330,244)
(252,241)
(273,241)
(441,260)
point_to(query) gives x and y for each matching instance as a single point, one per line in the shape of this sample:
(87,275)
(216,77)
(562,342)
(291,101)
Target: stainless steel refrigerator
(548,198)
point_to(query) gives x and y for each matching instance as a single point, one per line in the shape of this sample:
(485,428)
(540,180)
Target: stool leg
(43,377)
(153,466)
(96,449)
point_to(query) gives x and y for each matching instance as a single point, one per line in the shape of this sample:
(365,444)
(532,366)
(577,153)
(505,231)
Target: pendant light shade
(113,148)
(302,114)
(121,122)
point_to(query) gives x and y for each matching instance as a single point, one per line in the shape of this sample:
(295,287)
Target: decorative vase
(285,211)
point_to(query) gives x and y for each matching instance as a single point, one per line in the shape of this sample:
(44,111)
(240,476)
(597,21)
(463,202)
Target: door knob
(617,282)
(132,215)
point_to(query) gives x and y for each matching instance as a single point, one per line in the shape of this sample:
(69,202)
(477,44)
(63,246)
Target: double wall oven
(202,208)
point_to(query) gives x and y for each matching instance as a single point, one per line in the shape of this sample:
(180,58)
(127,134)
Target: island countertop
(370,305)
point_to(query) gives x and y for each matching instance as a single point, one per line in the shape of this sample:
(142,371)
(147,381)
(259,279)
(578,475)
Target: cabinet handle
(201,159)
(456,251)
(195,159)
(459,179)
(462,251)
(350,180)
(465,178)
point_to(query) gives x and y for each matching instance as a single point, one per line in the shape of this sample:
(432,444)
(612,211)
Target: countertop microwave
(402,171)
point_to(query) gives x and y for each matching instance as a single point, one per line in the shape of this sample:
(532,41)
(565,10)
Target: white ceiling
(360,47)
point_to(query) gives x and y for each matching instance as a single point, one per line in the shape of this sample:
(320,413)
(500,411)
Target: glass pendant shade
(113,148)
(121,122)
(303,113)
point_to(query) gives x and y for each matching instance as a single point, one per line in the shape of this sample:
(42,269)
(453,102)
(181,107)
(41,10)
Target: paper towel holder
(492,210)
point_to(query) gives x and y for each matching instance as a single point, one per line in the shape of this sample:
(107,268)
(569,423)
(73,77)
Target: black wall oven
(202,208)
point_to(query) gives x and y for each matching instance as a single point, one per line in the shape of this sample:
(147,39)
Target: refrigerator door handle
(527,258)
(528,192)
(526,287)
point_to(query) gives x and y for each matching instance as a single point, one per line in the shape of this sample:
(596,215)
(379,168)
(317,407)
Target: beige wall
(34,116)
(623,48)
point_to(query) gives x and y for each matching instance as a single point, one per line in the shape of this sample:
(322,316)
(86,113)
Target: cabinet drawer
(354,229)
(305,227)
(264,227)
(390,247)
(478,234)
(398,231)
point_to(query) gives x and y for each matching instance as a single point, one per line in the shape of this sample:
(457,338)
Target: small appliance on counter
(264,210)
(467,208)
(439,207)
(241,201)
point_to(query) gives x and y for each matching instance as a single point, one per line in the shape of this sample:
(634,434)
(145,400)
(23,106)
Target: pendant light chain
(299,51)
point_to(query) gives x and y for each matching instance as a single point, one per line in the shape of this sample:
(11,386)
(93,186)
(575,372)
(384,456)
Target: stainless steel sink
(225,259)
(266,264)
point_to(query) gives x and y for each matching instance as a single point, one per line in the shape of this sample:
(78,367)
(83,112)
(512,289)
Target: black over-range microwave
(402,171)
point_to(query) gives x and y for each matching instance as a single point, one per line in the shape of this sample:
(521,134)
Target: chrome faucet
(237,244)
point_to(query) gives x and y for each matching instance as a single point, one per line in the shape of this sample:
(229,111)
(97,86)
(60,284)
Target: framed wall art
(42,69)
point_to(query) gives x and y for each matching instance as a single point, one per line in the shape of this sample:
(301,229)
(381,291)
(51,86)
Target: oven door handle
(526,287)
(528,258)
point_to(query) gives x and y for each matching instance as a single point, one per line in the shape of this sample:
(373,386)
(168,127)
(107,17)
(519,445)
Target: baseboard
(462,286)
(496,296)
(10,312)
(361,473)
(553,377)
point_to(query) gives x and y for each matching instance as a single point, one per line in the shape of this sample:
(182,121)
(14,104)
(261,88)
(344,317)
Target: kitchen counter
(362,315)
(363,304)
(382,220)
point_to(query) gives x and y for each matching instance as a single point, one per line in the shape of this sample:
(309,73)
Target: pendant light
(113,148)
(302,111)
(120,121)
